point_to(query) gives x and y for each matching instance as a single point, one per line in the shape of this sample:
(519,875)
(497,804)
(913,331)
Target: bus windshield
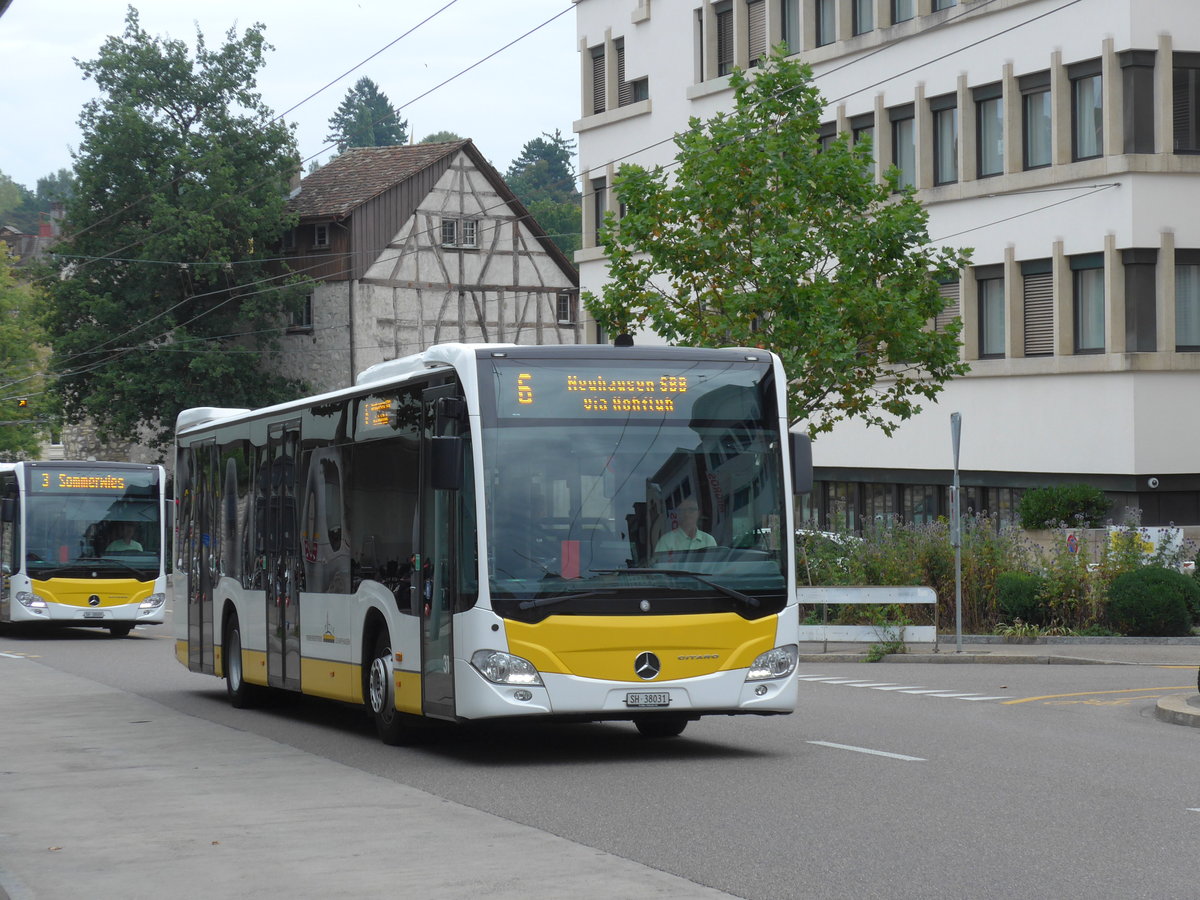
(633,485)
(84,521)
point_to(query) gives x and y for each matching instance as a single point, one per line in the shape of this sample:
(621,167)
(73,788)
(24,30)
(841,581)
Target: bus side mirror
(8,509)
(802,464)
(446,454)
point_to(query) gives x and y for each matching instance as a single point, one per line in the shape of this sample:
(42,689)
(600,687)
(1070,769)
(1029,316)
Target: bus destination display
(83,480)
(596,394)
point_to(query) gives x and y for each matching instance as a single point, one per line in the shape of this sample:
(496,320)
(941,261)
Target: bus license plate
(643,699)
(93,614)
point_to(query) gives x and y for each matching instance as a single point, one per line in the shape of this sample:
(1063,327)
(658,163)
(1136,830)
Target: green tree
(763,237)
(58,186)
(23,405)
(439,137)
(168,297)
(544,181)
(366,118)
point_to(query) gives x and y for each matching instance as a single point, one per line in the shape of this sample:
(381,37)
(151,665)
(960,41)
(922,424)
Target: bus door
(10,544)
(200,558)
(283,559)
(438,554)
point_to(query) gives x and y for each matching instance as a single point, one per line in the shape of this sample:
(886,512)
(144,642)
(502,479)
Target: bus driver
(686,535)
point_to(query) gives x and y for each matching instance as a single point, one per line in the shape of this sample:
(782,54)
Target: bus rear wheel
(381,694)
(241,694)
(661,726)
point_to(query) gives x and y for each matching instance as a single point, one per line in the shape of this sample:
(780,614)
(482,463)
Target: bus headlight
(777,663)
(32,601)
(154,601)
(504,668)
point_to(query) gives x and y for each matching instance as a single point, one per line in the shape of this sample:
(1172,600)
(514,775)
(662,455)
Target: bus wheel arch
(379,688)
(242,695)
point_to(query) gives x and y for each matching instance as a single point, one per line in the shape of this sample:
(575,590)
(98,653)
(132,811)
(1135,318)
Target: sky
(521,92)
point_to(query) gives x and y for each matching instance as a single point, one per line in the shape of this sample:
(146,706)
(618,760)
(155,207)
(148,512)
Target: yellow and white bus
(481,531)
(82,544)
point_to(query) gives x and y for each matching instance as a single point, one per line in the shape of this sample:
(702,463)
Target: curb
(1179,709)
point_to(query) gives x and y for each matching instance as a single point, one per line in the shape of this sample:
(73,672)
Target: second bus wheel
(381,694)
(241,694)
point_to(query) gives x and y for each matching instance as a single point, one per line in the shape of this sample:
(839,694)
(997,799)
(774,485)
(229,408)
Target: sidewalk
(109,795)
(1183,652)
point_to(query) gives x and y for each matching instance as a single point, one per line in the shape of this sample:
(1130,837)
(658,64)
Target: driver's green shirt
(677,540)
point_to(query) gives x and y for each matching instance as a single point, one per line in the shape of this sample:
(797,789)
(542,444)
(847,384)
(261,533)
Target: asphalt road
(1034,781)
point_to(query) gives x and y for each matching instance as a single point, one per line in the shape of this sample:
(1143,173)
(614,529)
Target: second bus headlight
(504,668)
(777,663)
(154,601)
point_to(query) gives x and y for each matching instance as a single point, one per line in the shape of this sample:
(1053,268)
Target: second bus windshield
(615,469)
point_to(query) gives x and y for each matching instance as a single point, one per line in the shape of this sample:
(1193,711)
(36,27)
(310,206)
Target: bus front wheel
(661,726)
(120,630)
(381,697)
(241,694)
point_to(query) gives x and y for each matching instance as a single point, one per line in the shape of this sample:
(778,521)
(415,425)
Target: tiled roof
(360,173)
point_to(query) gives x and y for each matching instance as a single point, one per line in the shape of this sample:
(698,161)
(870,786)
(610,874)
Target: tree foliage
(24,408)
(762,237)
(366,118)
(169,299)
(26,209)
(440,137)
(543,179)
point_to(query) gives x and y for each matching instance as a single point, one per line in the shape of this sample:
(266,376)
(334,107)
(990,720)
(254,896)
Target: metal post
(956,531)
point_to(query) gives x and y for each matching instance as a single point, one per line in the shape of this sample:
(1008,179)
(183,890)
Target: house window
(1088,286)
(599,205)
(904,152)
(469,236)
(301,320)
(826,22)
(756,15)
(724,15)
(826,135)
(449,232)
(289,239)
(1035,119)
(629,92)
(989,119)
(565,304)
(949,291)
(320,236)
(862,129)
(1038,301)
(789,18)
(903,10)
(945,139)
(598,79)
(1187,301)
(864,16)
(1185,103)
(1087,134)
(943,4)
(990,287)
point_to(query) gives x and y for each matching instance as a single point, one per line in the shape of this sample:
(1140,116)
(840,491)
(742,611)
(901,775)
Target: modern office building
(1060,139)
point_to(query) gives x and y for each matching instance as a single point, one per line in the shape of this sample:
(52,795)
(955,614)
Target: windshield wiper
(727,591)
(557,598)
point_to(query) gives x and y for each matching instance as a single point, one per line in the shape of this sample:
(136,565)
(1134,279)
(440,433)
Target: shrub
(1152,601)
(1080,505)
(1018,595)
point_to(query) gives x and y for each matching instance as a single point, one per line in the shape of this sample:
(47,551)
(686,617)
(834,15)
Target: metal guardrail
(826,596)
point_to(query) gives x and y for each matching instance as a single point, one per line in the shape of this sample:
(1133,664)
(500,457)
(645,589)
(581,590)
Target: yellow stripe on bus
(109,591)
(605,647)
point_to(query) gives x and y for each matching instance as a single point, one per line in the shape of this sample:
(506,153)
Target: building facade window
(1087,102)
(629,92)
(989,285)
(904,148)
(903,10)
(919,503)
(1185,102)
(943,4)
(945,139)
(989,130)
(565,308)
(862,130)
(1187,300)
(1038,301)
(1088,302)
(949,292)
(301,320)
(598,97)
(756,31)
(724,14)
(864,16)
(599,205)
(826,22)
(789,22)
(1036,120)
(826,135)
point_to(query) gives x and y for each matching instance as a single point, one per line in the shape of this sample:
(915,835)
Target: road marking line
(900,756)
(922,691)
(875,684)
(850,681)
(1185,687)
(982,698)
(12,655)
(901,687)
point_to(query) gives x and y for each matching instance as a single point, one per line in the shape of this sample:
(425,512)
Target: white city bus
(477,532)
(83,544)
